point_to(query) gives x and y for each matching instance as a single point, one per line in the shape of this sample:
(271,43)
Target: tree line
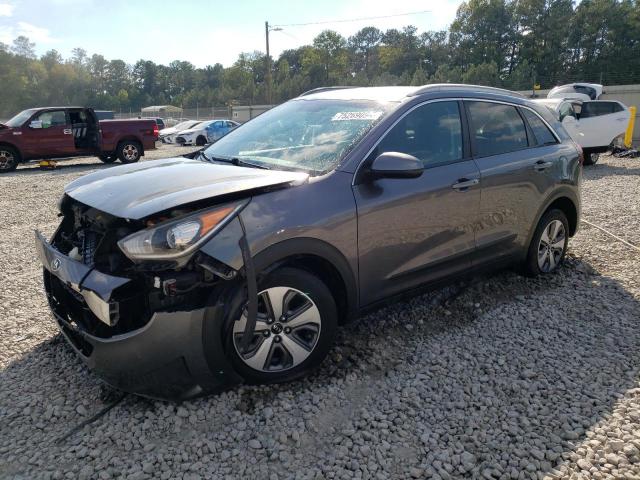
(514,44)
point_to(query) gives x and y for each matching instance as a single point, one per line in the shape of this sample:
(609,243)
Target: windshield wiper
(237,162)
(243,163)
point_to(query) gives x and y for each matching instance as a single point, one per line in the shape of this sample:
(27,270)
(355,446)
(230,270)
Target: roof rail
(462,86)
(324,89)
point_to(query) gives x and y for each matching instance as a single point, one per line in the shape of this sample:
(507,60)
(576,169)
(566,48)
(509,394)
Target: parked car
(196,135)
(219,129)
(182,276)
(59,132)
(168,135)
(205,132)
(159,121)
(593,124)
(577,91)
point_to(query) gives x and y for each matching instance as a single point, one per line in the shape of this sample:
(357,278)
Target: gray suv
(177,277)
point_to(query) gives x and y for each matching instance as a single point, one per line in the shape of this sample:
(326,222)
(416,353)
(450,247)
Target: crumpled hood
(141,189)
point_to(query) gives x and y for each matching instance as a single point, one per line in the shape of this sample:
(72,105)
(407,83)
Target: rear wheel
(295,328)
(591,158)
(9,159)
(549,244)
(129,151)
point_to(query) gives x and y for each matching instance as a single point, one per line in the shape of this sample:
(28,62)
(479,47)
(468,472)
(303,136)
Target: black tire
(9,159)
(553,257)
(108,158)
(306,285)
(591,158)
(201,141)
(129,151)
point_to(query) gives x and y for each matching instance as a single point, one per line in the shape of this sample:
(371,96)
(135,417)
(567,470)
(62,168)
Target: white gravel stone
(511,378)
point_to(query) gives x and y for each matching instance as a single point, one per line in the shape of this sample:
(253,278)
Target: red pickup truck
(60,132)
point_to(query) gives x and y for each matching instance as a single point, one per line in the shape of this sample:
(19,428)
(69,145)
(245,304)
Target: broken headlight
(178,237)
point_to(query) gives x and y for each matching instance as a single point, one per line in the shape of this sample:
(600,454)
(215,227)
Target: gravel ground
(501,377)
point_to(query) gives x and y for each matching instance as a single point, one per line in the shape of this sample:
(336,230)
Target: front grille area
(90,236)
(71,307)
(89,245)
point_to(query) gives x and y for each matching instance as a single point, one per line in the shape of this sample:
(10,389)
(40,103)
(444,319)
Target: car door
(516,173)
(214,131)
(417,230)
(601,122)
(49,134)
(569,119)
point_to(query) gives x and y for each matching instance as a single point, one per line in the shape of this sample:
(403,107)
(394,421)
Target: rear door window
(496,128)
(432,133)
(541,132)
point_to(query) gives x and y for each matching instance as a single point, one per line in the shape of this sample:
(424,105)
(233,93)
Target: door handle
(463,184)
(542,165)
(67,131)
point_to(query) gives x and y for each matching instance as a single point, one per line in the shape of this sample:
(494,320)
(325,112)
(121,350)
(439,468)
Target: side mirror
(396,165)
(35,124)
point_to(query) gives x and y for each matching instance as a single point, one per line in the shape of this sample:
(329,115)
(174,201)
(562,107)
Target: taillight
(156,132)
(580,153)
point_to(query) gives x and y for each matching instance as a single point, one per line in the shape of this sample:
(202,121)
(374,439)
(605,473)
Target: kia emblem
(55,265)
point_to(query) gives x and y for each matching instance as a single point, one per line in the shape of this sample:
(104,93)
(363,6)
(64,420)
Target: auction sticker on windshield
(366,115)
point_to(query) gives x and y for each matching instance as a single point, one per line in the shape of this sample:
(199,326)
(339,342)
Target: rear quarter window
(541,132)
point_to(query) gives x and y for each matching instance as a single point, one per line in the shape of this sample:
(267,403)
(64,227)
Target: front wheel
(549,244)
(295,328)
(201,141)
(129,151)
(9,159)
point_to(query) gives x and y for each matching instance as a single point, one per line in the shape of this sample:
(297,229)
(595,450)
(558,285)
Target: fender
(224,248)
(564,191)
(11,145)
(275,254)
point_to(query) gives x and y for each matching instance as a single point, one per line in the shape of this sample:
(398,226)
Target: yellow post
(628,136)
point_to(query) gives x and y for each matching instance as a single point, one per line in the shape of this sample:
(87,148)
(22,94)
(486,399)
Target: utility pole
(268,71)
(268,79)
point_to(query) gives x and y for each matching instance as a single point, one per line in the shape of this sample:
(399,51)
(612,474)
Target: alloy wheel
(551,246)
(130,152)
(6,159)
(286,333)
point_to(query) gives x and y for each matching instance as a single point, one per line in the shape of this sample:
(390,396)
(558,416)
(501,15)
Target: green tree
(23,47)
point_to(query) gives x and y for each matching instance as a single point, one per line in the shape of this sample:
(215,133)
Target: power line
(352,19)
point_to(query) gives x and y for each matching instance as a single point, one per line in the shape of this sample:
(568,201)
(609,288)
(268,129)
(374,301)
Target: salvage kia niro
(178,277)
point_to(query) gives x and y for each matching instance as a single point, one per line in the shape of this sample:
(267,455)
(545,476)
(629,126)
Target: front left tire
(9,159)
(295,328)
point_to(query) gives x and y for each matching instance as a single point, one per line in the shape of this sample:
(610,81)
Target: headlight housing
(179,237)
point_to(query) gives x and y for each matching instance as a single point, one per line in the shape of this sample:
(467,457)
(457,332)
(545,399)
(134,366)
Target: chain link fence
(239,113)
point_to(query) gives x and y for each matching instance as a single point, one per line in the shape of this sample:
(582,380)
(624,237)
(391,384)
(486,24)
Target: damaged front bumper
(165,358)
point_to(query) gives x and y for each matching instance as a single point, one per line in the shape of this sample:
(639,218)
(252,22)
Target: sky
(199,31)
